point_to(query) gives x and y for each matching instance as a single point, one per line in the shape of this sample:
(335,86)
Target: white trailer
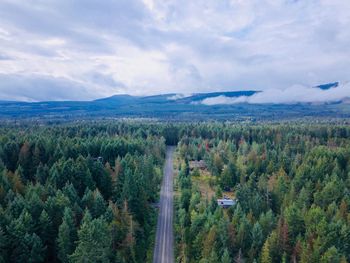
(226,202)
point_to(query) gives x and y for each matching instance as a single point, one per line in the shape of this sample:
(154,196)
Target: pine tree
(18,180)
(3,246)
(66,236)
(226,257)
(88,199)
(10,155)
(46,233)
(257,237)
(265,254)
(213,258)
(99,206)
(41,174)
(94,242)
(35,247)
(24,160)
(331,255)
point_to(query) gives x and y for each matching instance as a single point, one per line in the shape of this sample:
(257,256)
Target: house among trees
(226,202)
(198,165)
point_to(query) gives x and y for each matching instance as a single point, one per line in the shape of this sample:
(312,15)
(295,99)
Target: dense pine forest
(88,192)
(78,193)
(291,183)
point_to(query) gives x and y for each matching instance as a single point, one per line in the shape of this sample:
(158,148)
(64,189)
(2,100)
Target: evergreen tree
(99,206)
(47,234)
(36,249)
(331,255)
(25,161)
(66,236)
(226,257)
(94,241)
(265,255)
(3,246)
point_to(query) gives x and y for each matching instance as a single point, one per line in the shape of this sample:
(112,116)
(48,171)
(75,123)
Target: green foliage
(50,174)
(66,236)
(84,192)
(226,257)
(94,241)
(292,186)
(35,248)
(265,254)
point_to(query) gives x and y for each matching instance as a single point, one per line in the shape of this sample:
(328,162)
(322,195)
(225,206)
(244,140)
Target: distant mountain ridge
(328,86)
(170,106)
(165,98)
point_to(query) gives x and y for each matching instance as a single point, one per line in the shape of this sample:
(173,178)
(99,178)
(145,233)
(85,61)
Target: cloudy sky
(80,50)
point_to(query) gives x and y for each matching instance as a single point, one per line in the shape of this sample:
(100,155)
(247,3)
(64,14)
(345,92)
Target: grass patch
(205,183)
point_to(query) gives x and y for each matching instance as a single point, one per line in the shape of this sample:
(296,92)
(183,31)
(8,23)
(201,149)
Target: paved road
(163,250)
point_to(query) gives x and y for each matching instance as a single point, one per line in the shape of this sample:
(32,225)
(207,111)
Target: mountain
(168,107)
(328,86)
(171,97)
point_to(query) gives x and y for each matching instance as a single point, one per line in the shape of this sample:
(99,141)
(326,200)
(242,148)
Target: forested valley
(88,191)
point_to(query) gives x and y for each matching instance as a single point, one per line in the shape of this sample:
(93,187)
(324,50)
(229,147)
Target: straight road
(164,250)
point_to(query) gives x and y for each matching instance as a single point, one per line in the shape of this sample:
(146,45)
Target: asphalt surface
(164,250)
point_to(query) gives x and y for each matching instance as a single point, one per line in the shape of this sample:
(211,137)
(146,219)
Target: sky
(88,49)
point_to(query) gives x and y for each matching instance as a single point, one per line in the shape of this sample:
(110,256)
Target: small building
(226,202)
(198,165)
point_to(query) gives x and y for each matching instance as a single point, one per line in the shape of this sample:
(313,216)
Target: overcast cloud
(81,50)
(291,95)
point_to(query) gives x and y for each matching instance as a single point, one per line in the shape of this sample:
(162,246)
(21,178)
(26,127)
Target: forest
(79,193)
(291,183)
(87,191)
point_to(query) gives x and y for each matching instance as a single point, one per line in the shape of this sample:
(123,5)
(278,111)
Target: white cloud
(291,95)
(178,96)
(224,100)
(174,46)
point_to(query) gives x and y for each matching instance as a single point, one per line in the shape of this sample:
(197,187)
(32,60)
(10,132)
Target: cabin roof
(198,164)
